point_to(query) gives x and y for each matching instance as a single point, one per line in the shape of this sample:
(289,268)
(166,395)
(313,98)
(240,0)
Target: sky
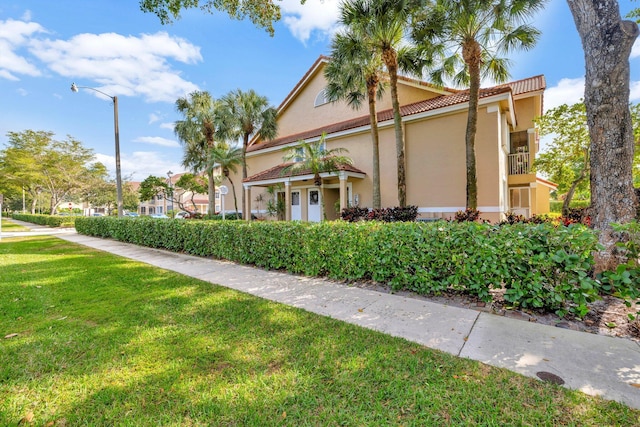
(112,46)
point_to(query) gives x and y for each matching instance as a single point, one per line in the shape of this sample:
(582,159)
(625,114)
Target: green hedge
(48,220)
(556,205)
(538,266)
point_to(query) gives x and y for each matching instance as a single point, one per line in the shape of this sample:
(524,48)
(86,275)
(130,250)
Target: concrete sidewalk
(595,364)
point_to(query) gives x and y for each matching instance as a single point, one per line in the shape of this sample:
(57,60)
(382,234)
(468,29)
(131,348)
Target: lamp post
(74,88)
(170,190)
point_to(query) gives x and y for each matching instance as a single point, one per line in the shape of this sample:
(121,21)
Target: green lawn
(106,341)
(10,226)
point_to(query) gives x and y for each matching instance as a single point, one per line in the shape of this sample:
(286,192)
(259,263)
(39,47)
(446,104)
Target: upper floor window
(321,98)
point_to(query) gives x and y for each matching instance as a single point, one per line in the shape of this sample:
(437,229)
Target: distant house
(434,121)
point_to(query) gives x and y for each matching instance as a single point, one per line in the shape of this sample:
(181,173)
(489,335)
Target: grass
(11,226)
(104,341)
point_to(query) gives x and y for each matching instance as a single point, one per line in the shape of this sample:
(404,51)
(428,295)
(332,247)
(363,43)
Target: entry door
(313,212)
(296,209)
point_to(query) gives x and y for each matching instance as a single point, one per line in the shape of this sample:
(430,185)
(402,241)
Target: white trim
(487,209)
(302,178)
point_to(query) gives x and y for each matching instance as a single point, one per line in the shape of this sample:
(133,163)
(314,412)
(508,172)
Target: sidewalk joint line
(464,343)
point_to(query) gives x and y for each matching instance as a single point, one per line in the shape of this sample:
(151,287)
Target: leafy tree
(154,186)
(607,41)
(243,115)
(353,74)
(468,36)
(36,162)
(228,158)
(262,13)
(198,132)
(314,158)
(566,160)
(382,25)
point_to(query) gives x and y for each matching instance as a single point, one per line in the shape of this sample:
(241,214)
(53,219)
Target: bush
(48,220)
(396,214)
(539,266)
(467,215)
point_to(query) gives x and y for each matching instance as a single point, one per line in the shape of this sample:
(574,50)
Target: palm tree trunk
(390,59)
(212,193)
(235,197)
(375,140)
(471,53)
(245,144)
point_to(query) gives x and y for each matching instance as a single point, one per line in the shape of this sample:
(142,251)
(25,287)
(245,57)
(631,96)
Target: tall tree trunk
(607,43)
(391,61)
(574,185)
(472,57)
(211,206)
(235,197)
(372,83)
(245,144)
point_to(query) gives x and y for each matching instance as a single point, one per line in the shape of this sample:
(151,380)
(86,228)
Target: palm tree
(383,23)
(467,36)
(314,158)
(228,158)
(246,114)
(353,73)
(197,132)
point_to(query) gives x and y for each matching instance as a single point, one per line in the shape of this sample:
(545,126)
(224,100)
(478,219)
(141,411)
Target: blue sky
(111,45)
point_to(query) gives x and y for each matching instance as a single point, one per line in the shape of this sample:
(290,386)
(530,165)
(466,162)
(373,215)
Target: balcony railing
(519,164)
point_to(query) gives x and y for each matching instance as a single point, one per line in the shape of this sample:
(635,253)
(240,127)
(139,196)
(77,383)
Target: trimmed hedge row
(538,266)
(48,220)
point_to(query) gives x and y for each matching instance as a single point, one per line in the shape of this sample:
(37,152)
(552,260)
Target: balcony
(519,164)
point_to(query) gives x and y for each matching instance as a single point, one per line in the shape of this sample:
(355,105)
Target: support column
(287,200)
(343,191)
(246,209)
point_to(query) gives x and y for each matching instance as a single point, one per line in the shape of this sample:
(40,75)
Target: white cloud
(568,91)
(123,65)
(314,15)
(14,35)
(156,140)
(634,94)
(635,50)
(169,126)
(140,164)
(153,117)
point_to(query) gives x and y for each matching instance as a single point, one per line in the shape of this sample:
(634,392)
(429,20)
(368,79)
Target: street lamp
(170,190)
(116,129)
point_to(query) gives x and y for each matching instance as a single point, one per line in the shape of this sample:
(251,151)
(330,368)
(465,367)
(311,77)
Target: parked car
(163,216)
(97,214)
(132,214)
(182,215)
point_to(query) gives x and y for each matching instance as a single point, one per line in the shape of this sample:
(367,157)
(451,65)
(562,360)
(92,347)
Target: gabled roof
(280,171)
(519,87)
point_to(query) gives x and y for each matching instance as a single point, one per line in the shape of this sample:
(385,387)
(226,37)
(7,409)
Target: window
(321,98)
(143,210)
(217,194)
(314,197)
(295,199)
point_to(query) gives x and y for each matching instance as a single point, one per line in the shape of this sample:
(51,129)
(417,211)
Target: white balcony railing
(519,164)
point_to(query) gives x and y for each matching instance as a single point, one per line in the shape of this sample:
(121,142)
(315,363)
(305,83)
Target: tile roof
(278,172)
(519,87)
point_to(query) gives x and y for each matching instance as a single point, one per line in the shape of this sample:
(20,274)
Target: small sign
(223,189)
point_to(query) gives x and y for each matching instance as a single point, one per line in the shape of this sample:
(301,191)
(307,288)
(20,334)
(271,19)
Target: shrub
(48,220)
(396,214)
(467,215)
(539,266)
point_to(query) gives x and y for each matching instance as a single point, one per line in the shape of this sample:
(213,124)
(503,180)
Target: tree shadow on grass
(114,342)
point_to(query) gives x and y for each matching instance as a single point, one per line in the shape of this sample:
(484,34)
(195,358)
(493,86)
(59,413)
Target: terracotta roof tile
(278,171)
(518,87)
